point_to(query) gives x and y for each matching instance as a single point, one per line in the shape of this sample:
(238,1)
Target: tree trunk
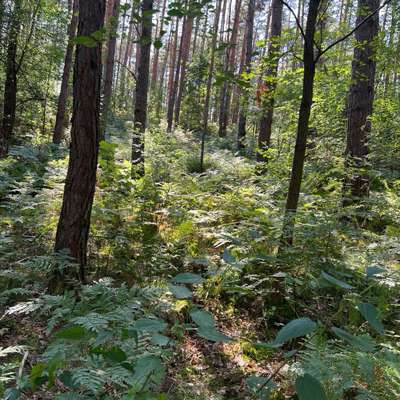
(171,73)
(185,56)
(360,102)
(226,90)
(173,95)
(63,97)
(74,223)
(302,126)
(10,86)
(160,96)
(109,70)
(142,86)
(267,95)
(249,52)
(154,73)
(209,82)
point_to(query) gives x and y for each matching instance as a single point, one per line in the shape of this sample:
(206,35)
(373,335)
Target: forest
(200,199)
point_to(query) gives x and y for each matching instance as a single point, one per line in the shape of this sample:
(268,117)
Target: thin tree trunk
(10,86)
(209,82)
(360,102)
(74,223)
(154,73)
(63,97)
(172,63)
(249,51)
(175,81)
(268,97)
(226,90)
(302,126)
(160,96)
(142,87)
(109,70)
(185,56)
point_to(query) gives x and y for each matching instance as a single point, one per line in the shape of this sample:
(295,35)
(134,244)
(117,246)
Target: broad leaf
(202,318)
(370,313)
(309,388)
(260,386)
(188,278)
(75,332)
(150,325)
(148,369)
(335,282)
(358,342)
(210,333)
(294,329)
(180,292)
(160,340)
(374,270)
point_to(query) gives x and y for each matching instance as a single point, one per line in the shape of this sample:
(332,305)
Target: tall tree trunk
(175,78)
(154,73)
(74,223)
(360,102)
(268,97)
(226,90)
(63,97)
(209,82)
(185,57)
(249,52)
(302,125)
(127,55)
(171,73)
(160,97)
(142,87)
(10,86)
(109,68)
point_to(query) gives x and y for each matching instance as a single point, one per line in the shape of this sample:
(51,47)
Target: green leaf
(180,292)
(373,270)
(202,318)
(371,314)
(36,375)
(115,354)
(294,329)
(158,44)
(160,340)
(148,369)
(335,282)
(188,278)
(355,341)
(309,388)
(260,386)
(210,333)
(86,41)
(75,332)
(150,325)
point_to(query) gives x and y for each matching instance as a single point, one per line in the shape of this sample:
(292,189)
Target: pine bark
(302,125)
(360,102)
(154,73)
(109,68)
(226,90)
(58,132)
(10,86)
(142,87)
(268,97)
(249,51)
(74,223)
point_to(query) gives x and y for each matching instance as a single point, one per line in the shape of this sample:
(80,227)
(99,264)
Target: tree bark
(160,97)
(209,82)
(154,73)
(74,223)
(360,102)
(142,86)
(226,90)
(185,57)
(302,125)
(268,97)
(109,70)
(63,97)
(249,51)
(10,86)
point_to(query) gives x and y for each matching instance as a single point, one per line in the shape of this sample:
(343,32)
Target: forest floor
(223,224)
